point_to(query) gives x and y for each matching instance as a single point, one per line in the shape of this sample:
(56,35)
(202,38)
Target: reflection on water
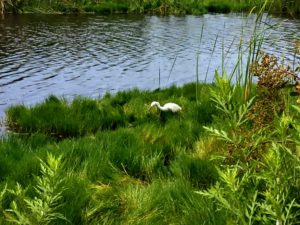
(90,55)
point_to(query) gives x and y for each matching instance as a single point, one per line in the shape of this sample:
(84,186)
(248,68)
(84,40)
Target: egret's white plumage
(167,107)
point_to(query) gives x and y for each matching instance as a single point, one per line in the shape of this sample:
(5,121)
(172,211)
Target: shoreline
(187,7)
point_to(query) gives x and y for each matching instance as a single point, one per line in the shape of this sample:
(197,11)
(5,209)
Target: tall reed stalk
(197,76)
(197,62)
(210,59)
(159,76)
(251,53)
(255,46)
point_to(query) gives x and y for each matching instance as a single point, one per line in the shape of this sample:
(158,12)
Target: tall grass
(104,170)
(57,118)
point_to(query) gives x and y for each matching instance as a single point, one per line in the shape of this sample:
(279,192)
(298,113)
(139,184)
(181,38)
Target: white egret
(167,107)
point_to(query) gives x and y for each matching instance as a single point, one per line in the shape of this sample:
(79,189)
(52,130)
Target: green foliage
(76,197)
(252,196)
(231,196)
(119,162)
(10,5)
(229,102)
(167,6)
(43,208)
(16,161)
(141,150)
(2,195)
(57,118)
(258,186)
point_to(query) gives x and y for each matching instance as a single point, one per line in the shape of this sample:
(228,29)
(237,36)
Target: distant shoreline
(187,7)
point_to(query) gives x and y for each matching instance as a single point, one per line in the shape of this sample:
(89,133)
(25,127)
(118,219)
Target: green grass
(115,145)
(58,118)
(121,163)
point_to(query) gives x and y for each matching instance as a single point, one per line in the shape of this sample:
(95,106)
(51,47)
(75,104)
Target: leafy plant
(231,195)
(279,202)
(2,194)
(43,208)
(225,96)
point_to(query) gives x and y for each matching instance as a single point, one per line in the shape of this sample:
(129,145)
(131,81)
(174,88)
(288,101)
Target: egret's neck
(160,107)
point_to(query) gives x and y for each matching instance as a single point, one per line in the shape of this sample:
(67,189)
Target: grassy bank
(161,7)
(226,158)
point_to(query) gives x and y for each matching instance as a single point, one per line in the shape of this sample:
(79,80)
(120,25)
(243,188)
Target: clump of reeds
(57,118)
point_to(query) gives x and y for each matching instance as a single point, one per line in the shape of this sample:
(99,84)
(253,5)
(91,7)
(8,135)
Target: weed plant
(43,208)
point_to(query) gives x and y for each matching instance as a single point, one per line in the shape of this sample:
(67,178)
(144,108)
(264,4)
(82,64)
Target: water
(90,55)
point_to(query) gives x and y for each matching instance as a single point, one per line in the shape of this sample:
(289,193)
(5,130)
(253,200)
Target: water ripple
(89,55)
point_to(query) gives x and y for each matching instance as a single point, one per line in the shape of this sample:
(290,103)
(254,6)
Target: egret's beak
(148,107)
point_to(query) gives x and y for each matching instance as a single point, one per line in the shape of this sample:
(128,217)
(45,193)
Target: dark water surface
(90,55)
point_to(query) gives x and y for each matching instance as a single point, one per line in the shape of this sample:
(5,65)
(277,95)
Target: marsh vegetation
(231,156)
(162,7)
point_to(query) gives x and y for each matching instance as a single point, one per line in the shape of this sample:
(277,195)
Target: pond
(89,55)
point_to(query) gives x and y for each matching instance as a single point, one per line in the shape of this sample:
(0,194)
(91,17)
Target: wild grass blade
(197,63)
(197,76)
(173,64)
(159,76)
(210,59)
